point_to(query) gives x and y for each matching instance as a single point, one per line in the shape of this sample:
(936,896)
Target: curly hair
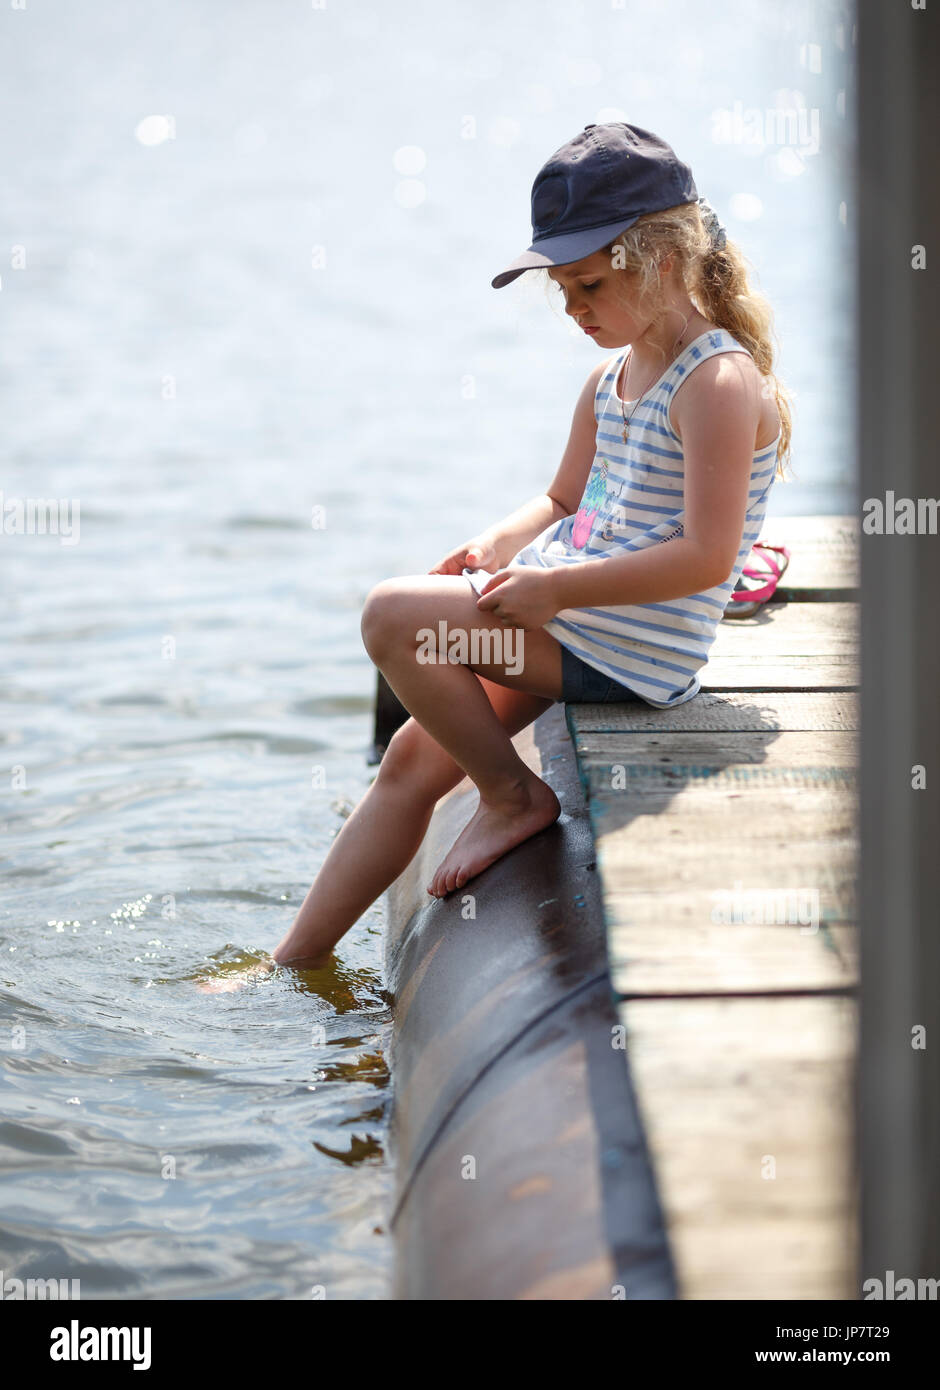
(716,280)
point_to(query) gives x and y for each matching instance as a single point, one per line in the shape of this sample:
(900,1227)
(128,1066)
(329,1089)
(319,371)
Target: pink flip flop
(766,571)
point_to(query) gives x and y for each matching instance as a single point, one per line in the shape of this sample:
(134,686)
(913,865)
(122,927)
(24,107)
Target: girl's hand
(481,553)
(520,597)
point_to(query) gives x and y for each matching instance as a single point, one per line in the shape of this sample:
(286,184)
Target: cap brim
(562,250)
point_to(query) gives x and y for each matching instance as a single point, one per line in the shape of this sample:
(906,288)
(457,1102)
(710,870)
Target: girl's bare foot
(496,828)
(235,980)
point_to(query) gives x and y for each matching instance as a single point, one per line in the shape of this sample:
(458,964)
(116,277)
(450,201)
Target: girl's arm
(495,547)
(717,413)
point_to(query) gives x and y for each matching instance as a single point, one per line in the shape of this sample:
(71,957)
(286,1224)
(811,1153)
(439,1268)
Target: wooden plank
(636,857)
(800,629)
(678,952)
(788,646)
(732,710)
(772,748)
(723,811)
(737,918)
(706,789)
(824,555)
(746,1107)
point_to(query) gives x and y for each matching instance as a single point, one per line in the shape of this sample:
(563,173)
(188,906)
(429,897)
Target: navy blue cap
(594,188)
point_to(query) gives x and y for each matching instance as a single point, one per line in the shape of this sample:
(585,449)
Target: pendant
(625,433)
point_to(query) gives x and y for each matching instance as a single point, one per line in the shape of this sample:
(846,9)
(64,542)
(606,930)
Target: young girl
(613,581)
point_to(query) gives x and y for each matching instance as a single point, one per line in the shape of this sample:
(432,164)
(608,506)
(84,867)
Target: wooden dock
(726,843)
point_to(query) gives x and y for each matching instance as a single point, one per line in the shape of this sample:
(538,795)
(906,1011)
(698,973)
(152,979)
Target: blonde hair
(716,280)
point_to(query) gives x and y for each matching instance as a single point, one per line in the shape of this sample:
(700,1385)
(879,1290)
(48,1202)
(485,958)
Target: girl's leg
(448,701)
(384,832)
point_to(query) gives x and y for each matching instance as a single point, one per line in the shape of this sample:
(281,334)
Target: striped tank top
(634,499)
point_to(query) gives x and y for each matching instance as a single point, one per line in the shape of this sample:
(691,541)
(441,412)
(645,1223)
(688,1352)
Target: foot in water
(495,828)
(229,971)
(229,983)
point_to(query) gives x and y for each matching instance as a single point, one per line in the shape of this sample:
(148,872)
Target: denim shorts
(584,684)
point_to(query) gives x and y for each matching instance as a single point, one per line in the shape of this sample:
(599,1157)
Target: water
(204,339)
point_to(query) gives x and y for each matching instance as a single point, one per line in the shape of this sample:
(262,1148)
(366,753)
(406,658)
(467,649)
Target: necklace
(627,418)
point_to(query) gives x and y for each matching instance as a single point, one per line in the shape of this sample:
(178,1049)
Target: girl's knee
(404,610)
(413,760)
(379,613)
(390,617)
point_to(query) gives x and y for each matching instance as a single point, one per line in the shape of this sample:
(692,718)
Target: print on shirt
(594,500)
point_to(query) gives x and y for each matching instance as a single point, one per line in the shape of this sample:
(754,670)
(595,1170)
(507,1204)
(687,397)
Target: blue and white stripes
(634,499)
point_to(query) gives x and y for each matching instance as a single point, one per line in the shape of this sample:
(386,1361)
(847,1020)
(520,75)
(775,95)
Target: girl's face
(599,299)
